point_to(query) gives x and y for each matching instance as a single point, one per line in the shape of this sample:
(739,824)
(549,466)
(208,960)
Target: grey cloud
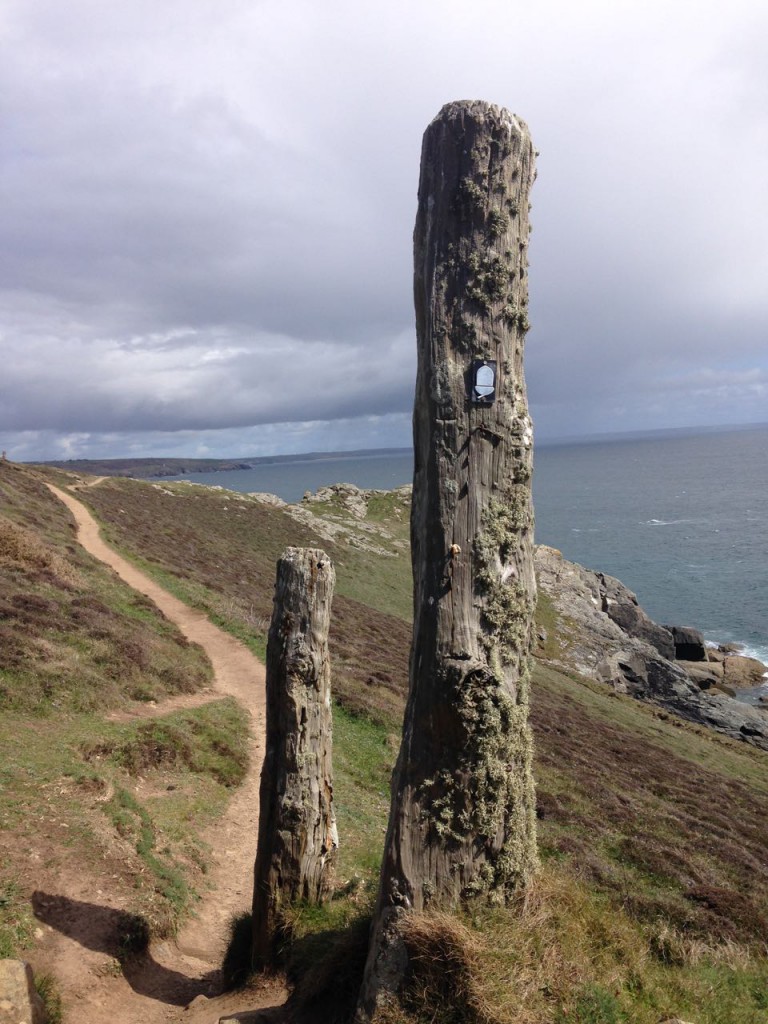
(178,384)
(157,214)
(190,193)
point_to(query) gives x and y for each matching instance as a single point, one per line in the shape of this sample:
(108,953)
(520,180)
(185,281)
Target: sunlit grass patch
(565,955)
(363,756)
(143,826)
(16,920)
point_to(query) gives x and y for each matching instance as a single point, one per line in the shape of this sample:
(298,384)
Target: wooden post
(462,821)
(297,825)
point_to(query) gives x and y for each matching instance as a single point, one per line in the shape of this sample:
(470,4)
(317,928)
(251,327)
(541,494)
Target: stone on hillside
(689,643)
(705,673)
(19,1002)
(265,498)
(740,671)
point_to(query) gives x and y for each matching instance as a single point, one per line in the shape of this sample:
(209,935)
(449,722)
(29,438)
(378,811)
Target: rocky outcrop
(265,498)
(350,497)
(593,643)
(339,514)
(689,643)
(621,605)
(19,1002)
(705,674)
(740,672)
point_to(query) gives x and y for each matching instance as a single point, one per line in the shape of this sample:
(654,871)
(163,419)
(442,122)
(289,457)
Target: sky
(207,207)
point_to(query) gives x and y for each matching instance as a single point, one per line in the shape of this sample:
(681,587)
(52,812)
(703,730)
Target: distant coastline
(159,468)
(657,434)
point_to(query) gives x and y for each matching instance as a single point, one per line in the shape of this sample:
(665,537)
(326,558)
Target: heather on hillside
(656,828)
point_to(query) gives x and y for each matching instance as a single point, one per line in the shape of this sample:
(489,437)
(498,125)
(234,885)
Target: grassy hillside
(653,895)
(653,898)
(87,794)
(217,550)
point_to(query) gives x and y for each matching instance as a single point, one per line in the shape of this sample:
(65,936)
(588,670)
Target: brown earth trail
(160,985)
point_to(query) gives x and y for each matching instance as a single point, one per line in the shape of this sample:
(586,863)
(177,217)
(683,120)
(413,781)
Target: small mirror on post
(482,382)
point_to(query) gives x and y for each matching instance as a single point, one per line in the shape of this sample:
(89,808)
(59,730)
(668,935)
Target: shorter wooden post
(297,825)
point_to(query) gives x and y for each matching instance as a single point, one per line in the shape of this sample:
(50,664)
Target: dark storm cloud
(206,213)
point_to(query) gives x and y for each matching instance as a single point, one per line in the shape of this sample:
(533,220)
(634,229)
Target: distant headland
(145,469)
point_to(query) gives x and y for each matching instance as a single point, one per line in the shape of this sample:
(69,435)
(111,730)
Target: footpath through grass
(653,895)
(217,551)
(84,800)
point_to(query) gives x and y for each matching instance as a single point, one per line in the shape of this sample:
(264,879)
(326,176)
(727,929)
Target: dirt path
(175,972)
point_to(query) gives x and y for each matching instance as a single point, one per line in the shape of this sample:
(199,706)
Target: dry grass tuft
(672,947)
(22,549)
(561,953)
(445,971)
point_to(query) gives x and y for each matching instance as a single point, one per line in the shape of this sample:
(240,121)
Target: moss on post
(462,822)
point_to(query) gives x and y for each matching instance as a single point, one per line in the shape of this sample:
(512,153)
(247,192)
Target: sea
(680,517)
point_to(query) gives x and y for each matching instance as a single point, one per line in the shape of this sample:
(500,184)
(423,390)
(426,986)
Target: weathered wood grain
(297,826)
(462,821)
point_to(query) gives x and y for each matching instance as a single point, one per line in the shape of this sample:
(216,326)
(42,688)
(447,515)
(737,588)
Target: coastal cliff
(605,635)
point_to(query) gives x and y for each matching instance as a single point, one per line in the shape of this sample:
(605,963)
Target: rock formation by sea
(605,635)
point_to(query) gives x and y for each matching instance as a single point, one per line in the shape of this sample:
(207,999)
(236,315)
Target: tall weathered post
(462,821)
(297,824)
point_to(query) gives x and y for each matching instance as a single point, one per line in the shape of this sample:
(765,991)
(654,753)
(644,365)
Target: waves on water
(614,507)
(665,522)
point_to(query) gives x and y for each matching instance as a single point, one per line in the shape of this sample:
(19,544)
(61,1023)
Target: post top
(481,112)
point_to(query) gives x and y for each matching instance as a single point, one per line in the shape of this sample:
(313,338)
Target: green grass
(653,896)
(383,583)
(56,805)
(210,740)
(16,920)
(133,822)
(47,988)
(363,757)
(569,955)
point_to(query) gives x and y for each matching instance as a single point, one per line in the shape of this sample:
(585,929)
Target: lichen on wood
(462,822)
(298,840)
